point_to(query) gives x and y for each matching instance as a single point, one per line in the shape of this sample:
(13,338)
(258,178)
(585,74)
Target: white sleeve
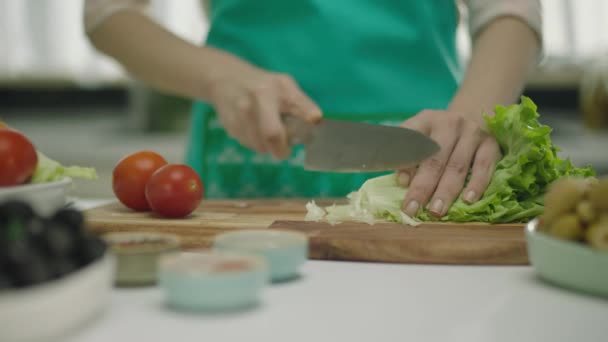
(97,11)
(483,12)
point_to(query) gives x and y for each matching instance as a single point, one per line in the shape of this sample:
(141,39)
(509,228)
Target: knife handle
(299,131)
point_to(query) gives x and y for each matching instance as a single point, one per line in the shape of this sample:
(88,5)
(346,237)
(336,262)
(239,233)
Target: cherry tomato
(18,158)
(3,125)
(131,175)
(174,190)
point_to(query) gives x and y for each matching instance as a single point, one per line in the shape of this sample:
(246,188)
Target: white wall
(43,39)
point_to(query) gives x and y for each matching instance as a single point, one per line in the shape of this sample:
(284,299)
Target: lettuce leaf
(379,199)
(515,194)
(48,170)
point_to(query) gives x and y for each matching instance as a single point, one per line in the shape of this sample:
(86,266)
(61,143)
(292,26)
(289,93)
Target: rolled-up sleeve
(483,12)
(97,11)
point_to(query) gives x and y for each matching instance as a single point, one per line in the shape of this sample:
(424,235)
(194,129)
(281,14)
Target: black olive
(62,266)
(35,227)
(56,240)
(33,270)
(89,249)
(6,282)
(15,255)
(15,209)
(71,218)
(14,216)
(3,257)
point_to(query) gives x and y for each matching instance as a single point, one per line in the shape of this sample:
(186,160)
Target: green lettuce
(530,163)
(48,170)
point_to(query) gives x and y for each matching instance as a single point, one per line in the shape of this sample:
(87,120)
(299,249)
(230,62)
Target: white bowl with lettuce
(49,186)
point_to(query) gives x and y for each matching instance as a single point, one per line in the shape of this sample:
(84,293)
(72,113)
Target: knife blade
(346,146)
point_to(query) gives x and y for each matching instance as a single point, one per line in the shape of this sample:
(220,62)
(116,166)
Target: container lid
(205,262)
(255,240)
(141,242)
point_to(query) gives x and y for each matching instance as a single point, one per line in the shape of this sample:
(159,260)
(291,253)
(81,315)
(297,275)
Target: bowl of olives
(568,244)
(53,272)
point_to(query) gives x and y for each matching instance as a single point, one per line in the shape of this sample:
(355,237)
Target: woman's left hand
(439,180)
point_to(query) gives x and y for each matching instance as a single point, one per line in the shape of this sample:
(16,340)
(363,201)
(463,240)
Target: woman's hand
(247,99)
(439,180)
(249,102)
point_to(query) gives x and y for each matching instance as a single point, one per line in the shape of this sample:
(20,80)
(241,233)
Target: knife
(346,146)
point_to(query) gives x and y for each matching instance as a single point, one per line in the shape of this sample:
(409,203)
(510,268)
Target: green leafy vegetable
(515,193)
(49,170)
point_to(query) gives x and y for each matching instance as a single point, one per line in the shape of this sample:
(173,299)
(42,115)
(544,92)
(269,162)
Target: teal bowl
(285,252)
(568,264)
(212,281)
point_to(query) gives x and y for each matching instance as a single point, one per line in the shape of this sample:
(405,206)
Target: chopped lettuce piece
(49,170)
(379,199)
(315,213)
(515,193)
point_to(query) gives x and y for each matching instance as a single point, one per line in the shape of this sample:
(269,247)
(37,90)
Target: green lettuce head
(515,193)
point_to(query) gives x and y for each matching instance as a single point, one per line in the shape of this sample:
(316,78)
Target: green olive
(588,183)
(598,195)
(597,236)
(563,197)
(567,227)
(586,212)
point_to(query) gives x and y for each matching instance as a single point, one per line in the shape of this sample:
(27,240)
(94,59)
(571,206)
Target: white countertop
(343,301)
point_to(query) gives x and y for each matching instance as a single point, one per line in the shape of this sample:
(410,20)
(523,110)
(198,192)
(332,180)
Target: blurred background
(80,108)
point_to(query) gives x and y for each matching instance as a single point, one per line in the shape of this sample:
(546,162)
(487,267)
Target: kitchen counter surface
(344,301)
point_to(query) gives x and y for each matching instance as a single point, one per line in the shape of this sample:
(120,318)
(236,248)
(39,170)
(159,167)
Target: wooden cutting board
(429,243)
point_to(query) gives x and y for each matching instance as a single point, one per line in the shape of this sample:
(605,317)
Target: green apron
(378,61)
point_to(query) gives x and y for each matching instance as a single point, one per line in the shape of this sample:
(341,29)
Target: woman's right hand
(247,99)
(249,102)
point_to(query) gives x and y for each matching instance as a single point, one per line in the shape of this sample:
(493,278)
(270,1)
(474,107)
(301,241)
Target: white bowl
(51,311)
(45,198)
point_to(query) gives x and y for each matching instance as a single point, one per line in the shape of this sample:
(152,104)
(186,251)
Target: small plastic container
(212,281)
(138,254)
(566,263)
(284,251)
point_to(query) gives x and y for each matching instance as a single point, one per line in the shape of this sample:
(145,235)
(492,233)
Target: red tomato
(131,175)
(18,158)
(174,190)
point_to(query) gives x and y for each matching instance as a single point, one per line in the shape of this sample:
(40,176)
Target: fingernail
(470,196)
(315,115)
(404,179)
(437,207)
(412,208)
